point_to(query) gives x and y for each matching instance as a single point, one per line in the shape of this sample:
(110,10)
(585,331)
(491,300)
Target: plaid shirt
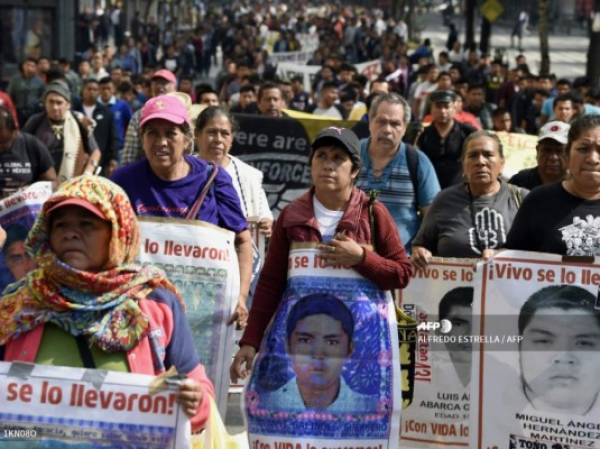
(132,151)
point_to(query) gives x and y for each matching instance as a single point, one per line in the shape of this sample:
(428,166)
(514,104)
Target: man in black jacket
(442,141)
(101,119)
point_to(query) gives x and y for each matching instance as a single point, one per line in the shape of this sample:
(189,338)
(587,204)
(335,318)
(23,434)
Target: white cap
(555,130)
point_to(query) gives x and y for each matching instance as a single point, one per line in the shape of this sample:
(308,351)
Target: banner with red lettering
(200,259)
(536,364)
(17,214)
(440,299)
(54,407)
(327,375)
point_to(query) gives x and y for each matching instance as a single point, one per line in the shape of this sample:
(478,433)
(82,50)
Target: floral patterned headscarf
(100,305)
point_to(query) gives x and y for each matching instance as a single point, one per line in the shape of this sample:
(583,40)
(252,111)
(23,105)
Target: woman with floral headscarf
(88,305)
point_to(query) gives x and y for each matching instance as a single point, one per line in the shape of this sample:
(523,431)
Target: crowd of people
(128,112)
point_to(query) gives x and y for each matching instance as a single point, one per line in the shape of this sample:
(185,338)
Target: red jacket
(389,267)
(140,359)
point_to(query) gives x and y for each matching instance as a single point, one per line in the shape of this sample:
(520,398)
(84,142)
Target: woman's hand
(240,314)
(420,257)
(265,226)
(190,396)
(342,250)
(2,236)
(245,356)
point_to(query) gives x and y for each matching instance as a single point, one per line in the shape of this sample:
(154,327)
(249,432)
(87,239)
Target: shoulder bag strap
(372,198)
(193,212)
(412,162)
(516,193)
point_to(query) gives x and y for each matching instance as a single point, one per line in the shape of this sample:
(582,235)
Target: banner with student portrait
(17,215)
(327,374)
(55,407)
(440,299)
(536,370)
(200,259)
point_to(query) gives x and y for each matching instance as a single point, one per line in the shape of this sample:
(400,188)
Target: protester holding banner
(88,305)
(23,158)
(214,136)
(335,213)
(170,183)
(564,218)
(331,320)
(466,220)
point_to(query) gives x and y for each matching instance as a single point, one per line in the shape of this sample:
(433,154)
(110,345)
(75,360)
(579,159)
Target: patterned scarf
(102,306)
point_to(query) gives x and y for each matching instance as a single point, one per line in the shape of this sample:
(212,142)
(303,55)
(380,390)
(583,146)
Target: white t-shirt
(327,219)
(89,110)
(330,112)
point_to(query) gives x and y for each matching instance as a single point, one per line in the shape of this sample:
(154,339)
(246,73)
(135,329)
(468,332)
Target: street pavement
(568,51)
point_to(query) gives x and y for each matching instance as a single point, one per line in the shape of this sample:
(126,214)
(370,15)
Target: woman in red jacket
(336,214)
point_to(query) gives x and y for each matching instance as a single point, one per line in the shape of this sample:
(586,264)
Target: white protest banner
(288,70)
(519,152)
(371,69)
(296,57)
(440,299)
(200,259)
(536,370)
(327,375)
(58,407)
(17,214)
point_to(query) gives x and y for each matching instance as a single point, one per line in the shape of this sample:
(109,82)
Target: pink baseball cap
(79,202)
(165,107)
(166,75)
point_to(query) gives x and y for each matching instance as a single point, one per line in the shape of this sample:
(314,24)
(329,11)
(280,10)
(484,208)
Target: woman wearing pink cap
(168,182)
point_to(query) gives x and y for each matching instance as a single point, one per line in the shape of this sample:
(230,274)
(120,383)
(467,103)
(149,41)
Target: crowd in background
(112,73)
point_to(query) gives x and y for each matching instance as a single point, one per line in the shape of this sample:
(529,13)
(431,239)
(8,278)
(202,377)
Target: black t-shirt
(452,228)
(551,220)
(528,178)
(40,127)
(23,163)
(445,153)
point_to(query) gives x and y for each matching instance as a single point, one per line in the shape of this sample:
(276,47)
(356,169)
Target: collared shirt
(396,190)
(445,153)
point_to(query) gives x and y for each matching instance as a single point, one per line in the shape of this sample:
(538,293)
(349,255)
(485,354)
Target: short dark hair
(247,88)
(125,87)
(499,111)
(320,304)
(89,81)
(105,80)
(201,89)
(14,233)
(267,86)
(329,85)
(564,97)
(565,297)
(473,86)
(459,296)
